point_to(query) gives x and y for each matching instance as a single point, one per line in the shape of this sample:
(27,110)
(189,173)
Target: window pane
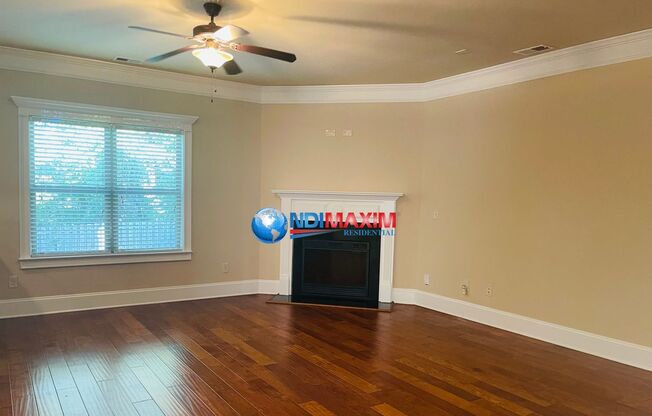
(148,160)
(149,222)
(65,154)
(67,187)
(68,223)
(149,190)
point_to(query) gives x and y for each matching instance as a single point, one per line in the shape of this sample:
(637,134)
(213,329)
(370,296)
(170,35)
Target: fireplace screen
(336,269)
(337,263)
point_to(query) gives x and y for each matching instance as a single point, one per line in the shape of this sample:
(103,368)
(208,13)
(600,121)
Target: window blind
(102,188)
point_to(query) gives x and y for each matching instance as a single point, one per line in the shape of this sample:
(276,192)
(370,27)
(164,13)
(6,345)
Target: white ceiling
(336,41)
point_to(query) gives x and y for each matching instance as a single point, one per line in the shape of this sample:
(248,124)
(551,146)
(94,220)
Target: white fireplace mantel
(324,201)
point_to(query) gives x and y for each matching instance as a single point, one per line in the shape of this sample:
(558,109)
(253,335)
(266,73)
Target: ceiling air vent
(126,60)
(534,50)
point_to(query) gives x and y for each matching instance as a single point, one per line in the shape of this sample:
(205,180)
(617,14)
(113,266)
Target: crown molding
(618,49)
(332,94)
(629,47)
(130,75)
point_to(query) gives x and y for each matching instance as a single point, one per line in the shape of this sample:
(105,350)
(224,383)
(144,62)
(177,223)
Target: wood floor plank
(234,381)
(167,402)
(414,403)
(22,394)
(220,379)
(191,400)
(45,393)
(5,382)
(387,410)
(148,408)
(193,383)
(468,406)
(89,391)
(511,406)
(71,402)
(337,371)
(243,347)
(117,398)
(316,409)
(242,357)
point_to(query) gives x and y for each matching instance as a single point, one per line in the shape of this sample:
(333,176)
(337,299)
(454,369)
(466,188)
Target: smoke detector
(534,50)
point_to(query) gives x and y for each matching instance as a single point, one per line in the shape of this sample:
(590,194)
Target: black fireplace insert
(336,269)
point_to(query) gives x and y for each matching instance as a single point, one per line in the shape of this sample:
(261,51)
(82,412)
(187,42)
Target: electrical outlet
(489,291)
(13,281)
(465,288)
(225,267)
(435,215)
(347,133)
(426,279)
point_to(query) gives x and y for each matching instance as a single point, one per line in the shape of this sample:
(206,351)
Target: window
(102,185)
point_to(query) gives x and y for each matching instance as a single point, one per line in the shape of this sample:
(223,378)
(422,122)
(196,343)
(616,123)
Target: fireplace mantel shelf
(381,196)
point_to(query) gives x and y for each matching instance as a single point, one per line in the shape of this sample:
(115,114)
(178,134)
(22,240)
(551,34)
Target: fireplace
(336,269)
(333,201)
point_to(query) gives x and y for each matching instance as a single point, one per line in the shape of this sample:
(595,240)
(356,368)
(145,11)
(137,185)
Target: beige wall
(544,190)
(225,180)
(382,155)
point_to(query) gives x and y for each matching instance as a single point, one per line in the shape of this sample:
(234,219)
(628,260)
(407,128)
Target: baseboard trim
(44,305)
(267,287)
(612,349)
(598,345)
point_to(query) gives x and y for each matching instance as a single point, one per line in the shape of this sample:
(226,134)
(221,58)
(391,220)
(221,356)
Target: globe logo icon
(269,225)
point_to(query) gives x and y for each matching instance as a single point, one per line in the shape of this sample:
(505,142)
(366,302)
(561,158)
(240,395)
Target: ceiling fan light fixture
(212,57)
(211,41)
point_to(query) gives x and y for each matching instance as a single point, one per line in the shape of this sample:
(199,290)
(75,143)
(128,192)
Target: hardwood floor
(241,356)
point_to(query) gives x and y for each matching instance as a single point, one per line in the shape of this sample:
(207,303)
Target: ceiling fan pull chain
(214,81)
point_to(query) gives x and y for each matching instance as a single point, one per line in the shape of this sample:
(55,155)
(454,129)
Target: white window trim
(37,107)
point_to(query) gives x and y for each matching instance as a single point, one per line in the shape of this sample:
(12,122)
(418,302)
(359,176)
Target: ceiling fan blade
(259,50)
(162,32)
(232,68)
(173,53)
(229,32)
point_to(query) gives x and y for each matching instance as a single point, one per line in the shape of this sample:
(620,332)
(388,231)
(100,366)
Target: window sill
(95,260)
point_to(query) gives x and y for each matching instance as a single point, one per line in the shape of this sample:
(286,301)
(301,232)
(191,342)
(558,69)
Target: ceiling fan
(213,41)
